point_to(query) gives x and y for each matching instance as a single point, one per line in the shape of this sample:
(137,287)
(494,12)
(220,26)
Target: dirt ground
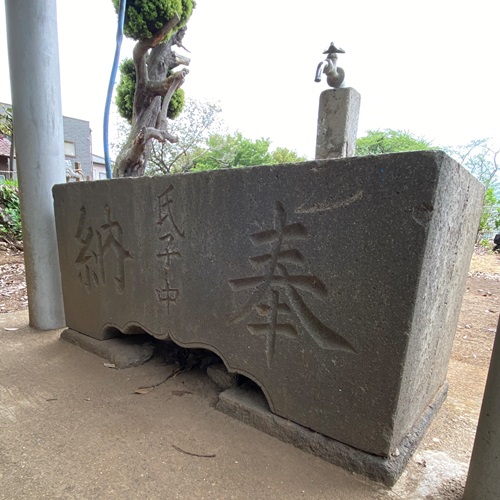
(444,453)
(13,295)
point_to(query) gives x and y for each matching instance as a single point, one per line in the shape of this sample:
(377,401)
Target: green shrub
(125,90)
(143,18)
(10,211)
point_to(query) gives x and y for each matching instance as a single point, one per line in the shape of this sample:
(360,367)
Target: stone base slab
(248,404)
(123,352)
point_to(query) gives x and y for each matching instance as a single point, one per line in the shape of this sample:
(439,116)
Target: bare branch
(181,60)
(177,81)
(164,87)
(148,133)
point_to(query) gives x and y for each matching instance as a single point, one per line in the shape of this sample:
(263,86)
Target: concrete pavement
(70,427)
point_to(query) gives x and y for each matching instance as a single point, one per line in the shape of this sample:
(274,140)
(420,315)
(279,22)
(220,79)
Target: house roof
(4,146)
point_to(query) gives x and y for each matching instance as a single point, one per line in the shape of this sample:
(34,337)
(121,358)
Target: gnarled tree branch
(177,79)
(154,59)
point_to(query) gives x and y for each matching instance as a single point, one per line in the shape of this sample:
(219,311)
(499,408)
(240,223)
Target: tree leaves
(390,141)
(10,210)
(143,18)
(235,150)
(6,121)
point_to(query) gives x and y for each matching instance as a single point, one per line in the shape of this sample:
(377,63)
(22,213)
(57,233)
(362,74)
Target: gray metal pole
(38,128)
(483,481)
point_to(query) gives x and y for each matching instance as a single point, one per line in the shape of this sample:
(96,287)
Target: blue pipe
(119,38)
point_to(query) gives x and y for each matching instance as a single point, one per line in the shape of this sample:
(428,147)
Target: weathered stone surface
(337,123)
(221,377)
(247,403)
(335,285)
(123,352)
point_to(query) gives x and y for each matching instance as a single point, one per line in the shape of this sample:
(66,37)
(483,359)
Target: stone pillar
(337,123)
(483,481)
(38,128)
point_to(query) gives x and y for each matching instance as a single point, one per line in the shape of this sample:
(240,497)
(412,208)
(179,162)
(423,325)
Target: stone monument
(334,285)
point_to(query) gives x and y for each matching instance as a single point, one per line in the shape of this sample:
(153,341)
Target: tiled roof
(4,146)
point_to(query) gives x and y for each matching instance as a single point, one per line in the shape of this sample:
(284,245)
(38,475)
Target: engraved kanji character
(167,294)
(275,281)
(86,258)
(111,239)
(165,212)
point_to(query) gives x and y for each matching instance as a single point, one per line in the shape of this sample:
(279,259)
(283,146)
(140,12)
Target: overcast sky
(429,67)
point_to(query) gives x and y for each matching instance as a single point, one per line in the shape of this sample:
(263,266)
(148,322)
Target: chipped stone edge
(247,404)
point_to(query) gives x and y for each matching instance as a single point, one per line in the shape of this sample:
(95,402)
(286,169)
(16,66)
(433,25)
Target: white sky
(429,67)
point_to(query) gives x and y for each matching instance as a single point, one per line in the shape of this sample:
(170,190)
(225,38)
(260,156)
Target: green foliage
(204,144)
(232,151)
(125,94)
(10,211)
(390,141)
(143,18)
(285,155)
(176,104)
(125,90)
(6,127)
(490,219)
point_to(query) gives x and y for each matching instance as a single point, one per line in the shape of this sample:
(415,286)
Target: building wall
(78,133)
(98,167)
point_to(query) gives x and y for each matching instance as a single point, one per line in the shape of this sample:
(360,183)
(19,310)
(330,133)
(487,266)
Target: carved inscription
(168,234)
(96,246)
(276,290)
